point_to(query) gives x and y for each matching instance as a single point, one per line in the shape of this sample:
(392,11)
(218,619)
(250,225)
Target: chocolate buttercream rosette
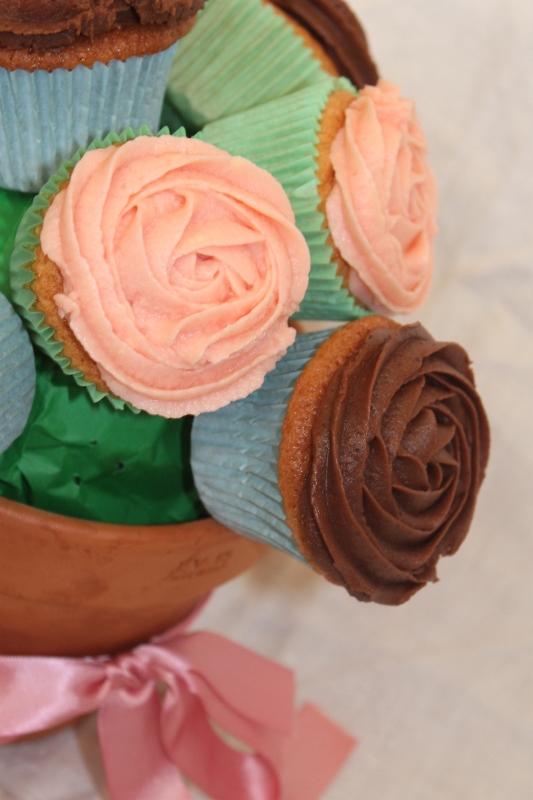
(241,53)
(161,272)
(46,34)
(362,454)
(355,168)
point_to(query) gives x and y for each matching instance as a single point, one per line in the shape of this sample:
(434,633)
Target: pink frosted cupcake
(164,273)
(380,200)
(355,168)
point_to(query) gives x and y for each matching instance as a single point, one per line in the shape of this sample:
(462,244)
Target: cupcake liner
(282,137)
(17,375)
(94,462)
(235,451)
(239,54)
(24,255)
(45,117)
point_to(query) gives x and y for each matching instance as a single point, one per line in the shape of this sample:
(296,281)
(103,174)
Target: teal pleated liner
(17,375)
(239,54)
(46,116)
(282,137)
(23,257)
(235,451)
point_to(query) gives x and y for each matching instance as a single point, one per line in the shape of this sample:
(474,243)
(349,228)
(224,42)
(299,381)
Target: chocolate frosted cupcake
(72,72)
(362,454)
(337,35)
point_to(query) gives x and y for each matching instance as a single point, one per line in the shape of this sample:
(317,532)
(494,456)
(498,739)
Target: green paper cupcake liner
(235,451)
(282,137)
(23,257)
(239,54)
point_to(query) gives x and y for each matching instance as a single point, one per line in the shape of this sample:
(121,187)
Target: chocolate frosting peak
(400,444)
(42,24)
(334,25)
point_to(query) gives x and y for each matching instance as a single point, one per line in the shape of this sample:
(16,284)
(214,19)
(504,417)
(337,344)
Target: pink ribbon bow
(158,707)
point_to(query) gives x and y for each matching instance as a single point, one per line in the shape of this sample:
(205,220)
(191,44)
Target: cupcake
(241,53)
(17,375)
(70,73)
(362,454)
(161,272)
(355,168)
(332,30)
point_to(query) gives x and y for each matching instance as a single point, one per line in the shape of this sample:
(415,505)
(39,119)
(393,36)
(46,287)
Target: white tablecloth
(439,691)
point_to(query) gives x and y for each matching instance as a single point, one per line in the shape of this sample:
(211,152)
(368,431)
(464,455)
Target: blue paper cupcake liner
(17,375)
(235,452)
(45,117)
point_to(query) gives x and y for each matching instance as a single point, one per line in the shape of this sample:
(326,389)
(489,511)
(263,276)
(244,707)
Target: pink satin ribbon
(158,710)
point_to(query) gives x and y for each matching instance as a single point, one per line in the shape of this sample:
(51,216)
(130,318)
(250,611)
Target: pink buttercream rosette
(181,266)
(382,209)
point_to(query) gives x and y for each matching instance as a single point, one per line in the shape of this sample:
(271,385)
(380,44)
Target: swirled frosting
(181,265)
(399,448)
(42,24)
(383,205)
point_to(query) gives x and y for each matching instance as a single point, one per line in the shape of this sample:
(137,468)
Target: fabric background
(439,691)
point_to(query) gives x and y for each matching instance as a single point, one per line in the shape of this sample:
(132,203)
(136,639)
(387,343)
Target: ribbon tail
(240,689)
(314,754)
(135,762)
(217,768)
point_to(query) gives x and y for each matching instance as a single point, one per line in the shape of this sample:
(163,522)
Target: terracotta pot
(69,587)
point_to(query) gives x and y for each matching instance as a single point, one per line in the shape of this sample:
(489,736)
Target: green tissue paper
(96,462)
(13,205)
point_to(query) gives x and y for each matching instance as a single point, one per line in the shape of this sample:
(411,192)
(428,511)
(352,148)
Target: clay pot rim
(41,523)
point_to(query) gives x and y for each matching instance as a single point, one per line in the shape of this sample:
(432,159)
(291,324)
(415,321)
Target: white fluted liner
(17,375)
(45,117)
(235,451)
